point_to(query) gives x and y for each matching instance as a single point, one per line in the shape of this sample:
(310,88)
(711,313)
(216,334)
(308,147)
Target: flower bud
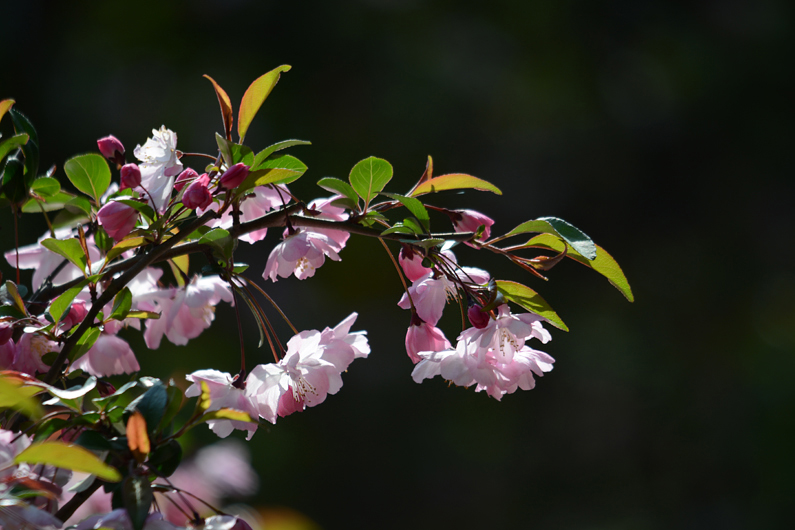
(423,337)
(77,313)
(130,176)
(412,263)
(117,219)
(111,148)
(197,195)
(478,317)
(186,177)
(470,221)
(234,176)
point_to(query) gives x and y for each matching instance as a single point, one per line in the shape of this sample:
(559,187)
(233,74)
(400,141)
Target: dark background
(659,128)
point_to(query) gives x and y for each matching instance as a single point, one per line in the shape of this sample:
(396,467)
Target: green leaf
(14,185)
(8,145)
(84,343)
(166,458)
(220,240)
(604,263)
(60,305)
(79,205)
(277,169)
(454,181)
(410,223)
(45,186)
(49,204)
(369,176)
(31,148)
(254,97)
(398,228)
(175,400)
(143,315)
(89,173)
(67,456)
(552,225)
(339,187)
(69,219)
(152,405)
(414,206)
(123,246)
(278,146)
(137,498)
(242,153)
(531,301)
(10,296)
(425,243)
(142,207)
(121,305)
(69,249)
(225,146)
(227,414)
(18,397)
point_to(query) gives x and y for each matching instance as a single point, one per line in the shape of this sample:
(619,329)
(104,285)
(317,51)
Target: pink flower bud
(76,315)
(197,195)
(186,177)
(117,219)
(111,148)
(478,317)
(130,176)
(423,337)
(411,263)
(470,221)
(234,176)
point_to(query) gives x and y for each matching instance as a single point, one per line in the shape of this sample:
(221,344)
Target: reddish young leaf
(137,439)
(226,108)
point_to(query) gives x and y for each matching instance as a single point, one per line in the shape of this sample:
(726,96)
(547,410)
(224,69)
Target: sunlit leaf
(552,225)
(4,106)
(415,207)
(60,305)
(45,186)
(226,107)
(227,414)
(84,343)
(530,300)
(278,146)
(67,456)
(278,169)
(89,173)
(8,145)
(121,304)
(339,187)
(454,181)
(15,396)
(369,176)
(254,97)
(69,249)
(11,291)
(48,204)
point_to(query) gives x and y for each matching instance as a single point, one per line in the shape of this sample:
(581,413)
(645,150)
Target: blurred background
(659,128)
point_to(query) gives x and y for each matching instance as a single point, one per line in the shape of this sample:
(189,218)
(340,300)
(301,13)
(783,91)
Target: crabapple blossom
(6,332)
(422,336)
(186,177)
(29,351)
(471,221)
(117,219)
(507,333)
(477,317)
(110,355)
(223,394)
(234,176)
(130,176)
(159,165)
(411,262)
(254,205)
(111,148)
(301,253)
(197,195)
(330,212)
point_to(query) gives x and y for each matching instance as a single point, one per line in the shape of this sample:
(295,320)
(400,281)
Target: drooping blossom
(110,355)
(77,312)
(159,166)
(411,263)
(117,218)
(423,337)
(224,394)
(308,372)
(326,210)
(471,221)
(254,205)
(130,176)
(111,148)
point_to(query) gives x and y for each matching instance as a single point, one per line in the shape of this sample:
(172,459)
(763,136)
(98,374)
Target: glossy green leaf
(454,181)
(49,204)
(31,148)
(10,295)
(69,249)
(254,97)
(8,145)
(123,246)
(604,263)
(61,305)
(415,207)
(84,343)
(277,169)
(531,301)
(152,404)
(67,456)
(79,205)
(14,186)
(89,173)
(278,146)
(425,243)
(17,397)
(369,176)
(552,225)
(65,218)
(399,229)
(137,499)
(121,305)
(45,186)
(226,107)
(220,240)
(225,146)
(339,187)
(242,153)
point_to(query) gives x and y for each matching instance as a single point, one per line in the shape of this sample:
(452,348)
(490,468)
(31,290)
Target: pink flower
(331,213)
(29,351)
(196,194)
(6,332)
(186,177)
(477,317)
(117,219)
(75,316)
(234,176)
(130,176)
(301,254)
(340,337)
(111,148)
(507,334)
(422,337)
(411,263)
(471,221)
(430,296)
(223,394)
(110,355)
(254,205)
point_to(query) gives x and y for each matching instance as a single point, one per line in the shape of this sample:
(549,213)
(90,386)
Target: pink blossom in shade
(11,444)
(6,332)
(185,312)
(223,394)
(471,221)
(7,353)
(301,254)
(197,195)
(29,351)
(330,212)
(17,514)
(130,176)
(76,314)
(186,177)
(254,205)
(44,262)
(422,337)
(117,219)
(411,263)
(234,176)
(159,165)
(111,148)
(110,355)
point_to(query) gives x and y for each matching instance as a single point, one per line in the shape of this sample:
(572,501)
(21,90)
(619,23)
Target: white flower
(159,166)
